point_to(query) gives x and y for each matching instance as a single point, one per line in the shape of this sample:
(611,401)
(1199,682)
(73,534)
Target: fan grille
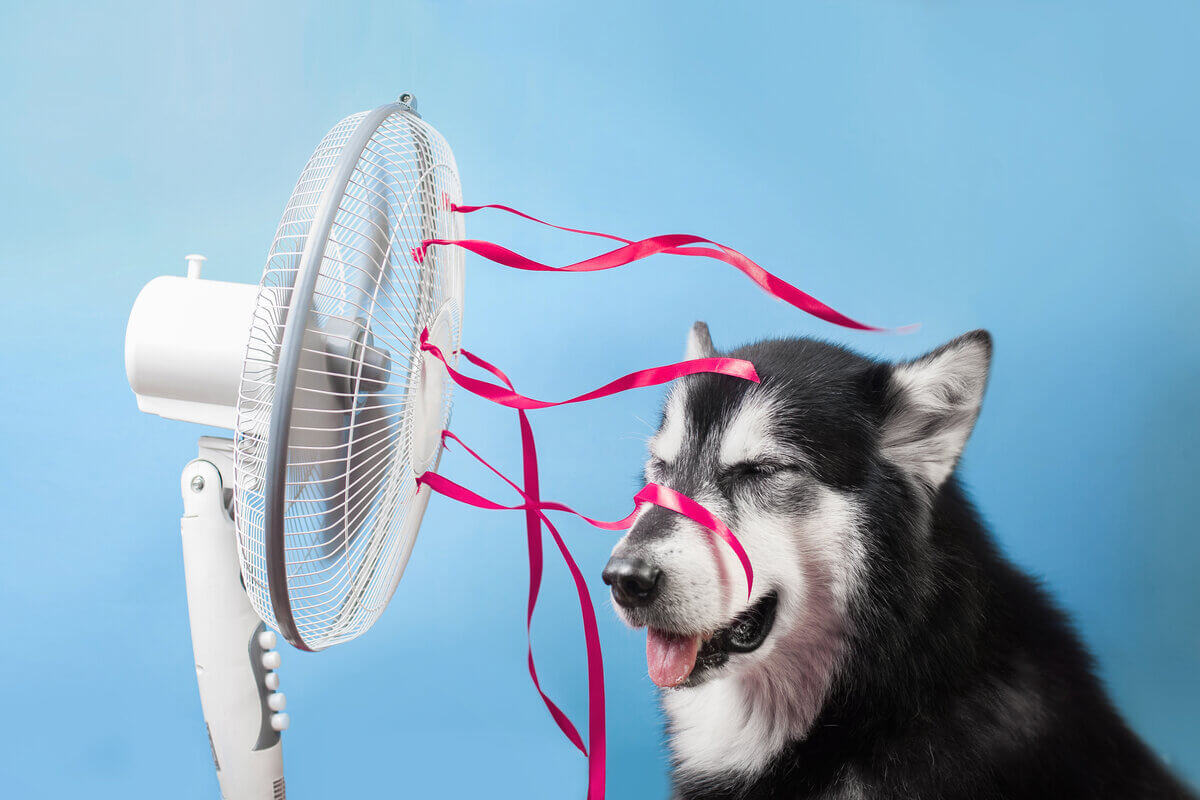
(350,503)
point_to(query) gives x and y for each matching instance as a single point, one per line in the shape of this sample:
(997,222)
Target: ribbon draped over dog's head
(532,504)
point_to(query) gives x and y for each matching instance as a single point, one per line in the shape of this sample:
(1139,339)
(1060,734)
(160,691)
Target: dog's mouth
(676,659)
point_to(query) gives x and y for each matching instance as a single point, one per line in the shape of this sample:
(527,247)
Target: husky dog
(888,650)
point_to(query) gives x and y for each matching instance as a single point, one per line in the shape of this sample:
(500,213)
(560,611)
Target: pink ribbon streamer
(533,521)
(535,508)
(653,493)
(672,500)
(635,250)
(735,367)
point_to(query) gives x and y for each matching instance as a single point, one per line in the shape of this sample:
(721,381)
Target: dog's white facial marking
(937,402)
(698,596)
(833,537)
(668,442)
(747,437)
(742,717)
(768,540)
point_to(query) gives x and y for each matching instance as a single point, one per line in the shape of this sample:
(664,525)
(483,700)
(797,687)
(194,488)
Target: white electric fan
(304,521)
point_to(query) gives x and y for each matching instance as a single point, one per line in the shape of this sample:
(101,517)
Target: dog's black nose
(633,581)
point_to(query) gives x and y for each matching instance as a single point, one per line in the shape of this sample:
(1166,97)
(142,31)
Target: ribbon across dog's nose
(633,581)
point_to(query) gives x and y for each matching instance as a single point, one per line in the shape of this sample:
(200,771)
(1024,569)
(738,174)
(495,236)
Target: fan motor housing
(184,348)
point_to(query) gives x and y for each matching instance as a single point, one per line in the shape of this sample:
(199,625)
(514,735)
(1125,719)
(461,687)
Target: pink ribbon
(672,500)
(635,250)
(735,367)
(653,493)
(533,521)
(535,508)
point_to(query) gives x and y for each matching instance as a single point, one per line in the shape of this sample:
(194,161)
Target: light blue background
(1029,167)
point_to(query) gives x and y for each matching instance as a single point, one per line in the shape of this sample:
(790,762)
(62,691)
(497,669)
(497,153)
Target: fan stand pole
(233,651)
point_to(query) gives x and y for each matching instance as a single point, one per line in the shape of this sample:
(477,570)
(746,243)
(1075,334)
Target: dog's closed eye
(754,470)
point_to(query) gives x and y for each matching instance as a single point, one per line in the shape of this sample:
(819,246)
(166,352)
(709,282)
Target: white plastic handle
(227,643)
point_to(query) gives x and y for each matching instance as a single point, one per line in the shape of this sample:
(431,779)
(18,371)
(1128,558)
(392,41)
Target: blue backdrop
(1029,167)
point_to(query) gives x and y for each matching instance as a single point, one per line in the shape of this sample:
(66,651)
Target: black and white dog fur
(888,650)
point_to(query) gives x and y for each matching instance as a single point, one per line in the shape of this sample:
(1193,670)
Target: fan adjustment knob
(280,722)
(277,701)
(267,640)
(271,680)
(271,660)
(195,263)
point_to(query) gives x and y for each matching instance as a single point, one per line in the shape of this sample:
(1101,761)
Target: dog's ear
(931,405)
(699,343)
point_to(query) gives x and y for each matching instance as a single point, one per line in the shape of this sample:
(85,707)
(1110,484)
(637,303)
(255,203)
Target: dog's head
(788,464)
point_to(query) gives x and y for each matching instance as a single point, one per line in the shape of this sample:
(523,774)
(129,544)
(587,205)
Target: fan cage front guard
(326,503)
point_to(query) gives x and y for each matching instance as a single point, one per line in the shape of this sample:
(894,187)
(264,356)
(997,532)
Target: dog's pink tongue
(670,657)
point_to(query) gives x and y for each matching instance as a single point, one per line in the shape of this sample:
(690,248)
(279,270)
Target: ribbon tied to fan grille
(533,505)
